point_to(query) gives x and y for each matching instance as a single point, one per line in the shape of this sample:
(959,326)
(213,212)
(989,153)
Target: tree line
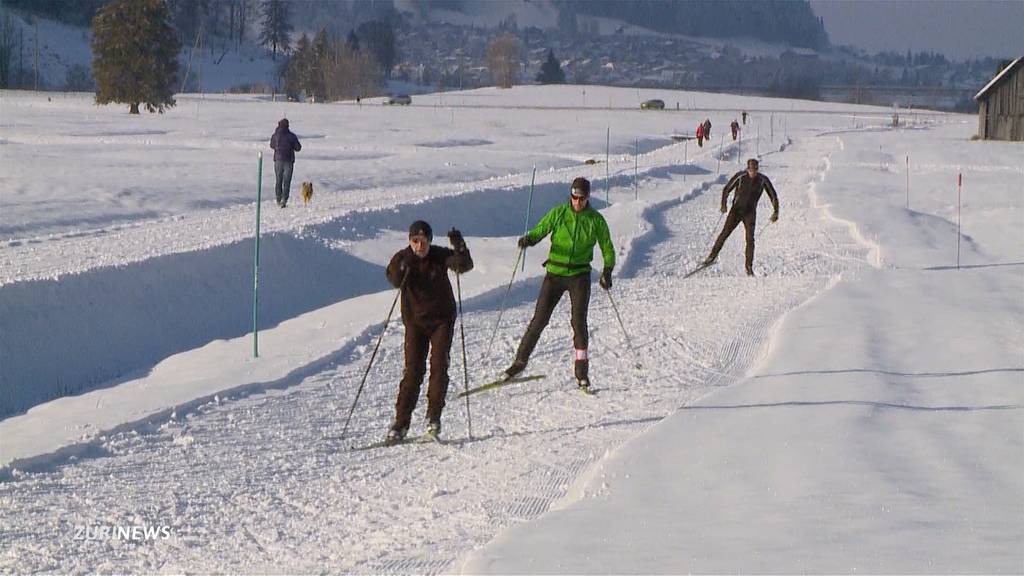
(789,21)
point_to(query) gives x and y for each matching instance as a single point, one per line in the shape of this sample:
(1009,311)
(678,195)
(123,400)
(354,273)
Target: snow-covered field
(855,407)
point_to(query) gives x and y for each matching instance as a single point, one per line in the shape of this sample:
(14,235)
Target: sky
(959,29)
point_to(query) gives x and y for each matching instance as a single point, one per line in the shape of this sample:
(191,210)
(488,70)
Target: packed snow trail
(263,484)
(883,431)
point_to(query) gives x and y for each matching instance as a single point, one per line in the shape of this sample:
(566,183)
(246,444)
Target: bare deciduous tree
(503,60)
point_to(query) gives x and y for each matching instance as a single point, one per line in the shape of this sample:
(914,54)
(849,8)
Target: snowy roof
(999,77)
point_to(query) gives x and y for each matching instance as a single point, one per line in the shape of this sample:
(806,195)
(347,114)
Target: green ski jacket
(573,236)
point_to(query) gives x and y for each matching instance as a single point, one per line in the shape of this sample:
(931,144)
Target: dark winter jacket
(427,297)
(284,143)
(748,192)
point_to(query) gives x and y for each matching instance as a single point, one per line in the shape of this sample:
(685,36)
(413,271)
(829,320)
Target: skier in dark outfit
(748,184)
(428,312)
(575,228)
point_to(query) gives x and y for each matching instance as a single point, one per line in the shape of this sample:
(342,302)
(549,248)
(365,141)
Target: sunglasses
(575,196)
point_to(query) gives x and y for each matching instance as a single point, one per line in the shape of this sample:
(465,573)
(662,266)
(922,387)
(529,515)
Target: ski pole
(765,227)
(374,355)
(714,231)
(465,365)
(623,326)
(504,300)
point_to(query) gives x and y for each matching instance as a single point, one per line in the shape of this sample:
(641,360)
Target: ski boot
(396,435)
(434,430)
(515,369)
(582,370)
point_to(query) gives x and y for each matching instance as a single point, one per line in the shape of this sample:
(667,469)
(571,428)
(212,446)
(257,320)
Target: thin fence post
(529,207)
(256,266)
(959,188)
(686,157)
(908,181)
(721,142)
(636,171)
(607,170)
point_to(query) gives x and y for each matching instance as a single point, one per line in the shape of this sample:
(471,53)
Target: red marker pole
(959,188)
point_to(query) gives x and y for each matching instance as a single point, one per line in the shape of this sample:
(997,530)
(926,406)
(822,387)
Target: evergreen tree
(379,39)
(551,71)
(276,26)
(7,50)
(329,70)
(352,42)
(297,69)
(135,55)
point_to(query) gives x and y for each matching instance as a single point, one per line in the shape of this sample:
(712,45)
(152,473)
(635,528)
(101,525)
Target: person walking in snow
(735,126)
(748,184)
(707,128)
(420,270)
(744,114)
(285,144)
(575,228)
(700,134)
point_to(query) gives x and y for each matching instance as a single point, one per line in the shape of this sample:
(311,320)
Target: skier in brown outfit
(749,184)
(428,313)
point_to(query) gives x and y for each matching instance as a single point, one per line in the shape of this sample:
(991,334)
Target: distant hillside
(786,21)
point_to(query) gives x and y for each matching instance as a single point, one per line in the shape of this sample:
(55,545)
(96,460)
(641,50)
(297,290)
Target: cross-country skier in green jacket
(575,228)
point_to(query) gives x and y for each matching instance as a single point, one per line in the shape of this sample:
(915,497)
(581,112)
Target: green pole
(529,206)
(256,268)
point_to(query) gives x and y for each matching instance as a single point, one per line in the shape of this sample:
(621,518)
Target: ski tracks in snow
(263,483)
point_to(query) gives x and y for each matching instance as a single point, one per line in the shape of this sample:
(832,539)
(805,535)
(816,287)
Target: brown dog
(307,192)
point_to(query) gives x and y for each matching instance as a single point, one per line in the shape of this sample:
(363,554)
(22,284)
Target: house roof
(999,78)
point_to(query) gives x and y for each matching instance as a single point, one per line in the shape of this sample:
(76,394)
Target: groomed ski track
(260,482)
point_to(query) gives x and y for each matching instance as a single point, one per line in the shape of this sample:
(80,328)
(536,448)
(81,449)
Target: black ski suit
(744,209)
(428,312)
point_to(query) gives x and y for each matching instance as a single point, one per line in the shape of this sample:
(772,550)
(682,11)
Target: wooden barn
(1001,105)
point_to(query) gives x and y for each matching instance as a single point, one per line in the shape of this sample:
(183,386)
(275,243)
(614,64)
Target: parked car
(652,104)
(401,99)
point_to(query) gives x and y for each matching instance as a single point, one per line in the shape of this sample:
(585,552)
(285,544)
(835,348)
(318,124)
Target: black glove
(775,216)
(457,241)
(524,241)
(606,279)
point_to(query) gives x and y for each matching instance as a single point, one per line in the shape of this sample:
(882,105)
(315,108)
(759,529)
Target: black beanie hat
(421,228)
(581,184)
(283,123)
